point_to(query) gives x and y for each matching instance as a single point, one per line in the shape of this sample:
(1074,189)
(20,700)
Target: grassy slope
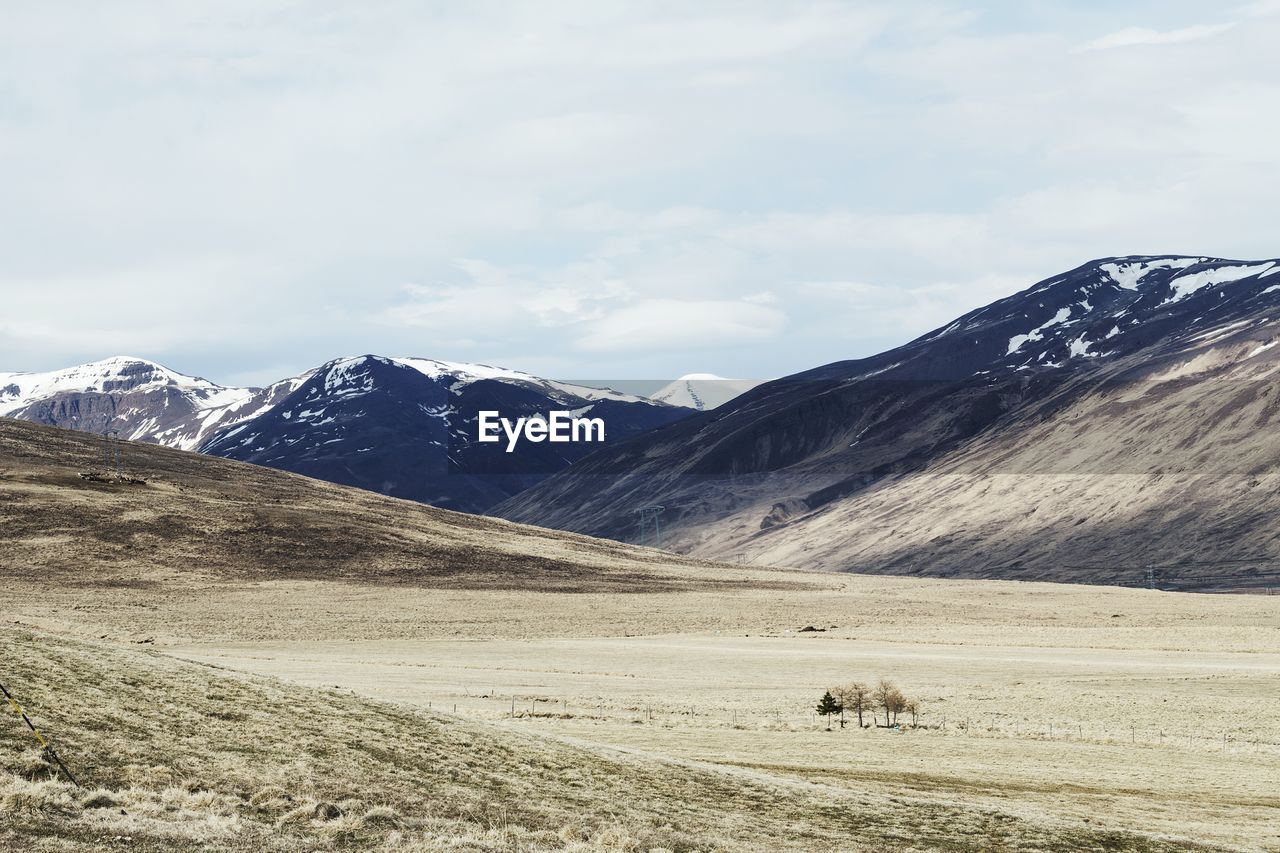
(177,755)
(216,519)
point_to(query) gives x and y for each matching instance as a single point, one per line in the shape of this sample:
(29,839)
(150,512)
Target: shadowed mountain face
(408,430)
(403,427)
(1117,416)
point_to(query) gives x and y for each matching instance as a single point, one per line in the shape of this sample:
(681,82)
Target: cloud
(1259,9)
(493,302)
(684,324)
(1134,36)
(738,188)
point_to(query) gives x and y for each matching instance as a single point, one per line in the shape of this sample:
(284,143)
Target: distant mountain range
(400,426)
(1115,422)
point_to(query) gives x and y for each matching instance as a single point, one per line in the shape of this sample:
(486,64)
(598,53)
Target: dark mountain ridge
(404,427)
(787,472)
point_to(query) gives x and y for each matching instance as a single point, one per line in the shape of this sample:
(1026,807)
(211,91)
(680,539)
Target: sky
(244,189)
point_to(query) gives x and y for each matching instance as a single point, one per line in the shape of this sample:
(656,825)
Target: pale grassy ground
(1095,663)
(176,756)
(1119,754)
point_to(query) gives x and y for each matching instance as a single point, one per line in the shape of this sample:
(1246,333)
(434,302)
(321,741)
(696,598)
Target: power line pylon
(647,517)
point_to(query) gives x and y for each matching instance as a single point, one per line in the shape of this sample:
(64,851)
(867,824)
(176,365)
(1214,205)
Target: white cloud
(684,324)
(1260,9)
(227,185)
(1134,36)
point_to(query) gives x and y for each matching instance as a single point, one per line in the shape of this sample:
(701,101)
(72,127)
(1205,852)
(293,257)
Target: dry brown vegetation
(175,755)
(215,519)
(676,696)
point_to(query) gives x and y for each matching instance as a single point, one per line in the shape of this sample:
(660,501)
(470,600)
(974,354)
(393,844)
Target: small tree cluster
(857,698)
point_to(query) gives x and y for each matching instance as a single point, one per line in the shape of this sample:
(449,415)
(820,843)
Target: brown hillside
(207,518)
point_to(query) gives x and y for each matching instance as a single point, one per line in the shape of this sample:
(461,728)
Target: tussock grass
(180,756)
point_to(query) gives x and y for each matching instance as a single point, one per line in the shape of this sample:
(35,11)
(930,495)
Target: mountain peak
(1104,308)
(702,391)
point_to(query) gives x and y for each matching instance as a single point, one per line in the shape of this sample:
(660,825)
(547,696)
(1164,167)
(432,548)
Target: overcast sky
(591,189)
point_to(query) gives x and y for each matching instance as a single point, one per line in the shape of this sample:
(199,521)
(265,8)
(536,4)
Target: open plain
(433,671)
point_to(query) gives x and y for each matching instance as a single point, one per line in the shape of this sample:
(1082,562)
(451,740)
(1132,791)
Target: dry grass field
(660,703)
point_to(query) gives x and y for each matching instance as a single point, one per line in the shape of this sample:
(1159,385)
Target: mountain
(407,427)
(139,399)
(400,426)
(702,391)
(1111,418)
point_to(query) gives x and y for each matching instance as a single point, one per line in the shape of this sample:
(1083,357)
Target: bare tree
(856,698)
(912,707)
(886,697)
(897,704)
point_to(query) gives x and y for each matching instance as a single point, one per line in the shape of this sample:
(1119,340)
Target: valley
(1055,717)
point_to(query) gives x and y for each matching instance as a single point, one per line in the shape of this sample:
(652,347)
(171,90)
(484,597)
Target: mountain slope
(403,427)
(1097,422)
(408,428)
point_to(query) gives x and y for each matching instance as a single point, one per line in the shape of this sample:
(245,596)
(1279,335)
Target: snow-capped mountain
(138,399)
(408,427)
(983,447)
(1103,309)
(401,426)
(702,391)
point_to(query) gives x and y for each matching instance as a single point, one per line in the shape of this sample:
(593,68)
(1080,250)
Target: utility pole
(647,517)
(1153,575)
(110,451)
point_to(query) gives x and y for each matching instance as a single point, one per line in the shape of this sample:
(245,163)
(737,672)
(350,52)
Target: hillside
(198,518)
(1112,418)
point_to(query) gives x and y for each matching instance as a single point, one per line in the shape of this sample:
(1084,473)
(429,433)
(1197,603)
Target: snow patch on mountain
(460,375)
(1017,342)
(1185,285)
(1129,274)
